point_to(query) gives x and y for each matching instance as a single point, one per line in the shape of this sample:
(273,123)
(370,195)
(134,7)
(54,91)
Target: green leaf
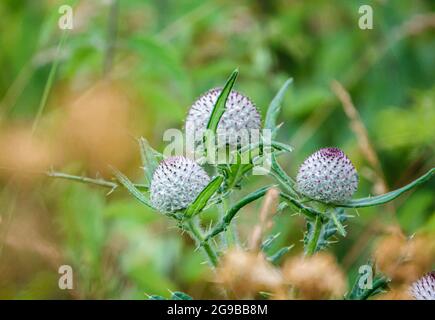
(379,285)
(384,198)
(276,257)
(230,214)
(279,146)
(269,241)
(279,174)
(156,297)
(202,199)
(337,223)
(328,229)
(234,173)
(131,188)
(150,158)
(220,106)
(177,295)
(275,107)
(309,212)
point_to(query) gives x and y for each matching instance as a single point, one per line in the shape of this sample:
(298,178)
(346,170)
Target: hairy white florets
(240,117)
(176,183)
(328,176)
(424,288)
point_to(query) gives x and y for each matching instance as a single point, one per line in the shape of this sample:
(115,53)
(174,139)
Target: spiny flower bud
(328,176)
(176,183)
(424,288)
(240,117)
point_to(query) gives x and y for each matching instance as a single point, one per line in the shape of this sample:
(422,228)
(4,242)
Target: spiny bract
(328,176)
(424,288)
(240,117)
(176,183)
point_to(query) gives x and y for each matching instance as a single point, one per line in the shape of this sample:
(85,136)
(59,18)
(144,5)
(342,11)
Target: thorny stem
(99,182)
(307,211)
(196,233)
(222,211)
(230,234)
(312,244)
(278,173)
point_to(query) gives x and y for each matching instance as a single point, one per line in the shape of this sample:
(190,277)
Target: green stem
(307,211)
(230,233)
(279,174)
(312,244)
(99,181)
(222,210)
(196,233)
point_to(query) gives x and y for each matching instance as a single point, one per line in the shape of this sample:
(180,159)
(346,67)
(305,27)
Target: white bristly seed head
(424,288)
(176,183)
(328,176)
(240,117)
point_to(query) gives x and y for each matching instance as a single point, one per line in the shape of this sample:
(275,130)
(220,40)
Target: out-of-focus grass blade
(275,108)
(49,82)
(384,198)
(220,106)
(205,195)
(131,188)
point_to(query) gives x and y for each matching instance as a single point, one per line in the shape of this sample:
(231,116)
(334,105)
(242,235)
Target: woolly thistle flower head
(240,117)
(328,176)
(424,288)
(176,183)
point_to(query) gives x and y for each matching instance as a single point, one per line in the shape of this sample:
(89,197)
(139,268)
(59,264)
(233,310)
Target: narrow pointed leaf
(131,188)
(156,297)
(279,174)
(384,198)
(276,257)
(338,224)
(379,285)
(177,295)
(275,108)
(220,106)
(279,146)
(269,241)
(309,212)
(205,195)
(150,158)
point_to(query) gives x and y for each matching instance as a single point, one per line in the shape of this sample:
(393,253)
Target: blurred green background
(133,68)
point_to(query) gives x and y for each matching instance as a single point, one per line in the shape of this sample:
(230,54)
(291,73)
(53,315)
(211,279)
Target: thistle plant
(424,288)
(322,192)
(327,176)
(176,183)
(240,114)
